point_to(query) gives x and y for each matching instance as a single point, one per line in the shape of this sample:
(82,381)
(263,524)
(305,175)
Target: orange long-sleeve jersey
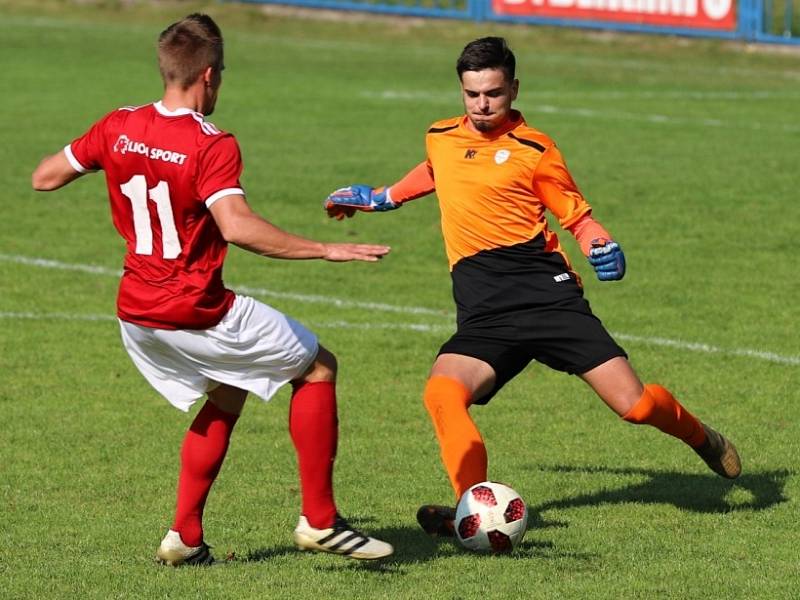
(494,189)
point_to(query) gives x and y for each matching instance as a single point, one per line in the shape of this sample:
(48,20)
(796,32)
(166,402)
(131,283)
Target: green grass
(686,149)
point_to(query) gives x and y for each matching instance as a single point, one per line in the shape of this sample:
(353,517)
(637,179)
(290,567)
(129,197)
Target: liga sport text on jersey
(164,169)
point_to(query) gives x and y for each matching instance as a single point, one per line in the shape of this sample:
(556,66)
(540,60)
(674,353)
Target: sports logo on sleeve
(124,144)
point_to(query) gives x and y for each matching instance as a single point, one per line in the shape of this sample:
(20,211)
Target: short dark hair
(188,47)
(487,53)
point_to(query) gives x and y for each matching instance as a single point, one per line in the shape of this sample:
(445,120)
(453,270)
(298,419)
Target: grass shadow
(412,547)
(696,493)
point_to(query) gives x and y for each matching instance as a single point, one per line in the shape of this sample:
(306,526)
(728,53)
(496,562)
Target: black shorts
(520,304)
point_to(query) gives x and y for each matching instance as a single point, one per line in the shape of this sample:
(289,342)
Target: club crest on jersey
(124,144)
(501,156)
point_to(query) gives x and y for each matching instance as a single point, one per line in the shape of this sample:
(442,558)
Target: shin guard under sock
(314,428)
(657,407)
(462,449)
(202,454)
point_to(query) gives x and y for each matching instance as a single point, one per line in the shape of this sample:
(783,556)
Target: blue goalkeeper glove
(345,201)
(607,259)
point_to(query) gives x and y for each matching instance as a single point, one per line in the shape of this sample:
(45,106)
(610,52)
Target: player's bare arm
(241,226)
(53,172)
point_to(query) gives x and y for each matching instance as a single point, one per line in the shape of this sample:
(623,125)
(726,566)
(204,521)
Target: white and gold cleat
(342,539)
(719,454)
(174,553)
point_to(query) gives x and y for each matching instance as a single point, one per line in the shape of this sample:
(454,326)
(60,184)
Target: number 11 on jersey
(136,191)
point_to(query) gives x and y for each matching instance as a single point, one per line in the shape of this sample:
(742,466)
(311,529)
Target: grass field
(686,149)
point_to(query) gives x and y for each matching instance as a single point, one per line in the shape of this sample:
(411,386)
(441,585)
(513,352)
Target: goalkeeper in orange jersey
(517,296)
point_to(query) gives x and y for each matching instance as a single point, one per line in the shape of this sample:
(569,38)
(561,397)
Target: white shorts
(254,348)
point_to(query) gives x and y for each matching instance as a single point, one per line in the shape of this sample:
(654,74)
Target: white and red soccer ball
(491,517)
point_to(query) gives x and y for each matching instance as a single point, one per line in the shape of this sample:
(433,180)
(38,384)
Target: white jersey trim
(206,127)
(132,108)
(178,112)
(222,193)
(74,161)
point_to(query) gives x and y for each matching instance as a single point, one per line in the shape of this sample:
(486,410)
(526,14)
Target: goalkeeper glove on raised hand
(345,201)
(607,259)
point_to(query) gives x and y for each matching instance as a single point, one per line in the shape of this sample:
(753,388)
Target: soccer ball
(491,517)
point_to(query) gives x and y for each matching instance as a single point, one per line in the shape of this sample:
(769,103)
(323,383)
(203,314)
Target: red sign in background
(694,14)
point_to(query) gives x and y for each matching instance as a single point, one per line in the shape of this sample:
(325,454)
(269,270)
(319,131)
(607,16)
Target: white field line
(56,316)
(701,347)
(709,349)
(735,96)
(588,113)
(439,53)
(342,303)
(251,291)
(59,316)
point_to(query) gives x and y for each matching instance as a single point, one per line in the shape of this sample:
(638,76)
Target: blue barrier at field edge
(753,20)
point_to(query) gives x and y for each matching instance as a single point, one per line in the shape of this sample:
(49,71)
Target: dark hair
(188,47)
(487,53)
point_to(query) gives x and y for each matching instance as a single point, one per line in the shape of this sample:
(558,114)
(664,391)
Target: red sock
(203,451)
(657,407)
(314,428)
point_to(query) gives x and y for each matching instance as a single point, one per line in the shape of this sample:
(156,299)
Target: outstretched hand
(348,252)
(345,201)
(607,259)
(338,212)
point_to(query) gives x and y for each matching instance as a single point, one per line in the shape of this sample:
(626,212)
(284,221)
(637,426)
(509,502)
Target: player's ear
(514,89)
(208,76)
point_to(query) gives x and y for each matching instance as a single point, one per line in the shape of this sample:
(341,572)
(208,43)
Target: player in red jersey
(518,298)
(176,199)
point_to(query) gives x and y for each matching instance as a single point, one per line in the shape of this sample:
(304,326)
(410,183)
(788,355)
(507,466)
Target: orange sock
(657,407)
(462,449)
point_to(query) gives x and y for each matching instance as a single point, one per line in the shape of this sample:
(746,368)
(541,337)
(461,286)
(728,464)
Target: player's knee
(441,391)
(324,367)
(328,363)
(625,404)
(641,409)
(430,399)
(635,419)
(228,399)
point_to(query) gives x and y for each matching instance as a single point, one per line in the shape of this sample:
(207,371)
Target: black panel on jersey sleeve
(441,129)
(530,143)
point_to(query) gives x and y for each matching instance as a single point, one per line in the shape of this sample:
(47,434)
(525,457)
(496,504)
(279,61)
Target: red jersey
(164,170)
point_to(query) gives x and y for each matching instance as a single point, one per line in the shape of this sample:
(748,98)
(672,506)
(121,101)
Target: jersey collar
(515,120)
(178,112)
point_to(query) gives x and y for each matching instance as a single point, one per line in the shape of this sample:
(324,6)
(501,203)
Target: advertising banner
(688,14)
